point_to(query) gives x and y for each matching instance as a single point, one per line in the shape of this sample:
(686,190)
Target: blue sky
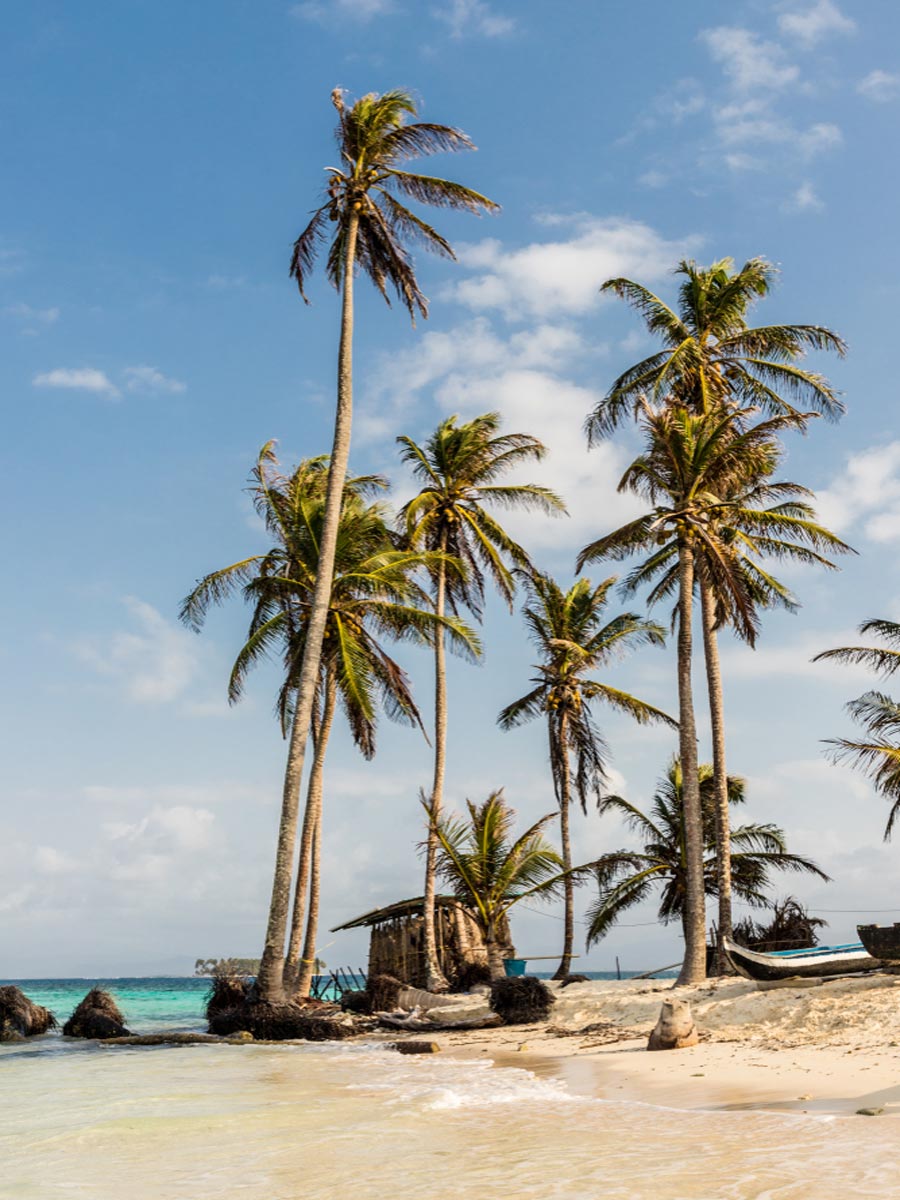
(159,161)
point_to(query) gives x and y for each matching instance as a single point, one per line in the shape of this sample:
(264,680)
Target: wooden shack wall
(397,945)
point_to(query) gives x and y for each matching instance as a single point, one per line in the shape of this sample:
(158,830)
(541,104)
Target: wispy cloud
(880,86)
(804,199)
(473,17)
(328,11)
(811,24)
(153,663)
(35,316)
(149,379)
(748,62)
(81,379)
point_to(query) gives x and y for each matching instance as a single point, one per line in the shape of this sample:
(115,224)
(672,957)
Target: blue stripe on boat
(816,951)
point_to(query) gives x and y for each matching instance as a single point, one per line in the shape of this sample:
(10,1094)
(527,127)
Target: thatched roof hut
(397,942)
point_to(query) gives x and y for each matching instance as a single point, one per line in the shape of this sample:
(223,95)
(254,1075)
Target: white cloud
(544,279)
(653,179)
(149,379)
(224,283)
(50,861)
(17,898)
(810,25)
(752,121)
(804,199)
(866,494)
(84,379)
(335,10)
(748,62)
(473,17)
(38,316)
(880,86)
(792,659)
(153,666)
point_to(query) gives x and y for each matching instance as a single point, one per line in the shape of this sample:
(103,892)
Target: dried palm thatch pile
(282,1022)
(226,992)
(521,1000)
(20,1017)
(97,1016)
(791,928)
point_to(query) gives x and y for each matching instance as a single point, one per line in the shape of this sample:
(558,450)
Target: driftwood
(419,1022)
(417,1047)
(675,1029)
(177,1039)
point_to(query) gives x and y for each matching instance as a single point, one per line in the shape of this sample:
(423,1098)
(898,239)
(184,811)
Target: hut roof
(402,908)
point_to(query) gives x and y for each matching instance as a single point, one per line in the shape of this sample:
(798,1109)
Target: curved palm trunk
(295,967)
(693,968)
(720,771)
(308,961)
(564,785)
(270,980)
(435,980)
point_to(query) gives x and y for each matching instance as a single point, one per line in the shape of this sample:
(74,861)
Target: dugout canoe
(813,963)
(881,941)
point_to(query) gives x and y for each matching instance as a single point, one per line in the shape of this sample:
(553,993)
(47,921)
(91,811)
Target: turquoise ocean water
(81,1121)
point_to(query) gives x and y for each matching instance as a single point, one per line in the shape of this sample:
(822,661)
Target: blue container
(515,966)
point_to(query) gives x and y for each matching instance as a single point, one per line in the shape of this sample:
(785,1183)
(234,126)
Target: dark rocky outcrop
(21,1017)
(97,1016)
(283,1022)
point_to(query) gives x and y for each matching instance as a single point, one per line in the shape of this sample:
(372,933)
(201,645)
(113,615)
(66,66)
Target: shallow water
(278,1123)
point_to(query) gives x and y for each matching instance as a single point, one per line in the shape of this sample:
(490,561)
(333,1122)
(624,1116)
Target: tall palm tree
(375,595)
(626,877)
(459,467)
(490,872)
(574,640)
(376,140)
(690,465)
(878,754)
(710,359)
(710,356)
(760,518)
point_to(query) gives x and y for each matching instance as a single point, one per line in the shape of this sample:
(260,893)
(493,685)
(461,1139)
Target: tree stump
(675,1029)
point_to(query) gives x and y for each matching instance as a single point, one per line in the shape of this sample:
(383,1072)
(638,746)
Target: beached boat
(811,963)
(881,941)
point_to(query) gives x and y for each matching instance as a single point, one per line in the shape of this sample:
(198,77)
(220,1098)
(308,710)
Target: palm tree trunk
(270,980)
(295,973)
(435,980)
(720,771)
(564,784)
(693,968)
(308,961)
(494,953)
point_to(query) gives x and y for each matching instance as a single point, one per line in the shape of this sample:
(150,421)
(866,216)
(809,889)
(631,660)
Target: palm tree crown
(489,870)
(711,356)
(569,630)
(459,467)
(626,877)
(375,595)
(375,142)
(877,755)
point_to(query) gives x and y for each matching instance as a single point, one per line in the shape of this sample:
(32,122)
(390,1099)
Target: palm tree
(488,871)
(459,467)
(711,357)
(626,877)
(375,595)
(574,640)
(691,465)
(878,755)
(375,142)
(759,518)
